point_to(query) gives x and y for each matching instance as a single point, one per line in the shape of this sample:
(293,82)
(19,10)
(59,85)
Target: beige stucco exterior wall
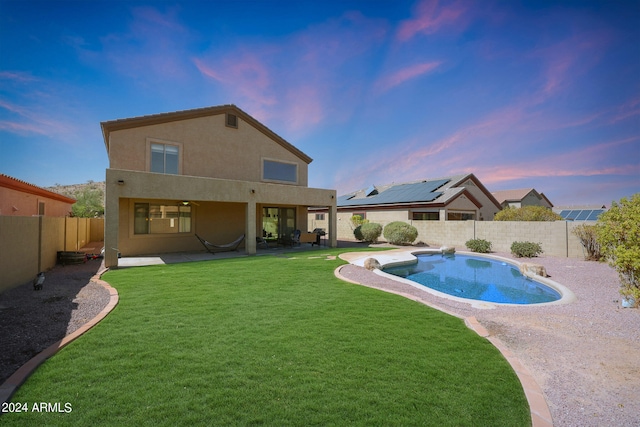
(532,200)
(227,208)
(488,209)
(18,203)
(207,147)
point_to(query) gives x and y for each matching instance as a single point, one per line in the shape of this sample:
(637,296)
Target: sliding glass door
(278,224)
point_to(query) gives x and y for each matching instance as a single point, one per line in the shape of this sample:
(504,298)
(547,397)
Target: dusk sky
(541,94)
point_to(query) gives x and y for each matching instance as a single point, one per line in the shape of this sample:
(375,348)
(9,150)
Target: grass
(271,341)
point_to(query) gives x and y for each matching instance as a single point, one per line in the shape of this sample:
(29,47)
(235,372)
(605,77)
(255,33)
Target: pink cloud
(300,74)
(29,121)
(563,62)
(405,74)
(17,76)
(430,17)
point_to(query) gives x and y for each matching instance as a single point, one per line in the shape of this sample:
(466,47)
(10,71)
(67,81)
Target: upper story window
(164,158)
(273,170)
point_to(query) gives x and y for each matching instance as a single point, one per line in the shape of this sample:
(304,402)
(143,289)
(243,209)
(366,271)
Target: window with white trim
(164,158)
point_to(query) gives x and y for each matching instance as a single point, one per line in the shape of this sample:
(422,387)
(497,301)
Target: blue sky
(542,94)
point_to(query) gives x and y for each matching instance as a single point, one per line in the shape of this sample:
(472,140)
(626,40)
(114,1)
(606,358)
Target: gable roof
(517,195)
(434,192)
(154,119)
(7,181)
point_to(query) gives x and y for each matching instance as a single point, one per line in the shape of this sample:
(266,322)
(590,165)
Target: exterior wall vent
(232,121)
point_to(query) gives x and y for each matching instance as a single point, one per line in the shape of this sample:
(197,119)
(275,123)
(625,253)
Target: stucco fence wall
(31,244)
(555,237)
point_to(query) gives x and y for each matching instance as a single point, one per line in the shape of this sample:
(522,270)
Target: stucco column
(111,221)
(333,226)
(250,233)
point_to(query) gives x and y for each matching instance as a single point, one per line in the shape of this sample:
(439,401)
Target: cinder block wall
(555,237)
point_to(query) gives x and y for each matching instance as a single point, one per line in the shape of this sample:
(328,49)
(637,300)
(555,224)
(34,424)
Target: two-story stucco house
(216,172)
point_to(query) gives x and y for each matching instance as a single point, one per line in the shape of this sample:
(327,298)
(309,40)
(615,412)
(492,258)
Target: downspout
(39,243)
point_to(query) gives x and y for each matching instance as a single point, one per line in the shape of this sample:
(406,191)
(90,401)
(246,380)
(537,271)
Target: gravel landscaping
(584,355)
(33,320)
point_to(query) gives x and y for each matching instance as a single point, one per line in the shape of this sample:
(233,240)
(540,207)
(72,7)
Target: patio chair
(213,248)
(296,238)
(261,242)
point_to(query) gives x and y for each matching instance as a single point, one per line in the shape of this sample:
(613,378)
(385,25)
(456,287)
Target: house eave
(154,119)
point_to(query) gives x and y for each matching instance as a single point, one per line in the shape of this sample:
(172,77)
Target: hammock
(213,248)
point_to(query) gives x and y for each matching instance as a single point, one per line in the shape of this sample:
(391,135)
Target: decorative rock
(371,264)
(534,269)
(447,250)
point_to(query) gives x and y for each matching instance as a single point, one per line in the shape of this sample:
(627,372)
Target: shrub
(526,249)
(587,235)
(357,233)
(618,233)
(400,233)
(478,245)
(358,220)
(527,213)
(370,231)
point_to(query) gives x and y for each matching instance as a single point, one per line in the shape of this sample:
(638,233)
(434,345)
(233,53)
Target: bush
(370,231)
(527,213)
(400,233)
(587,235)
(478,245)
(526,249)
(358,220)
(618,233)
(357,233)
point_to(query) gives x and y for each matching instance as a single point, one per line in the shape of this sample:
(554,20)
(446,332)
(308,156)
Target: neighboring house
(214,171)
(19,198)
(455,198)
(521,197)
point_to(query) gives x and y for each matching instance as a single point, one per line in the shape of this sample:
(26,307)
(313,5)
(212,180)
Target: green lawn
(271,341)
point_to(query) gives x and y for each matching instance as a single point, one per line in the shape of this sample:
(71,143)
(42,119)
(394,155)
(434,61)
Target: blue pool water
(475,278)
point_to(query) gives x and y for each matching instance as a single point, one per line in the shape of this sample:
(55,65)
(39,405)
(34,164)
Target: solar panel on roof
(573,214)
(582,215)
(401,193)
(593,216)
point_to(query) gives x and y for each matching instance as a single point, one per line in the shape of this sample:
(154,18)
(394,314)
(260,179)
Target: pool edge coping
(398,257)
(538,407)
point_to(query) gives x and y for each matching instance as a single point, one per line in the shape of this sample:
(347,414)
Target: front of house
(216,172)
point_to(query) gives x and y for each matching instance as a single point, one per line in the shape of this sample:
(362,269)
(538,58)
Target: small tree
(400,233)
(88,203)
(527,213)
(588,237)
(618,233)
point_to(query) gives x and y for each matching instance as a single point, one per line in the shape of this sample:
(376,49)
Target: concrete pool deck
(540,413)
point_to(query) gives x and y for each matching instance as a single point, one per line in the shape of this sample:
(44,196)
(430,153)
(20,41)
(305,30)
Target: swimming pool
(475,278)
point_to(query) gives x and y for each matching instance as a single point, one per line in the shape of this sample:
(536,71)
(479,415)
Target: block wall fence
(30,244)
(555,237)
